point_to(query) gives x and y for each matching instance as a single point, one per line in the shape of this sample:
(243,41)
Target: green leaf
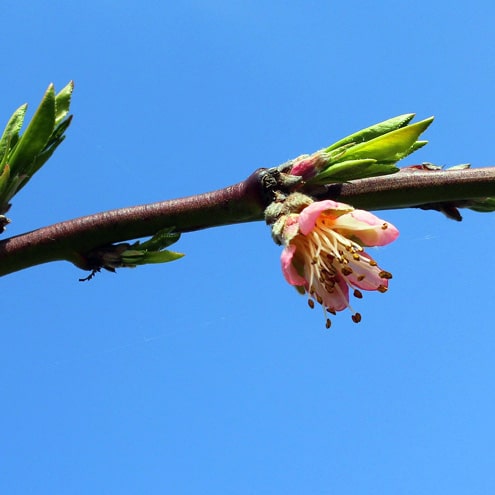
(482,205)
(55,139)
(415,147)
(354,169)
(36,135)
(4,179)
(133,257)
(15,182)
(162,239)
(11,132)
(161,256)
(374,131)
(62,102)
(391,146)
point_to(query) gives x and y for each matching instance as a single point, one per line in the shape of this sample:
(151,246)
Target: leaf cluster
(372,151)
(153,250)
(21,156)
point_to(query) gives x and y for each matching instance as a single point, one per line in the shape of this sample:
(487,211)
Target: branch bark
(242,202)
(413,188)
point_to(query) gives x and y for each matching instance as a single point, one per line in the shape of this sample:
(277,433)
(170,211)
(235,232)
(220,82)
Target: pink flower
(324,253)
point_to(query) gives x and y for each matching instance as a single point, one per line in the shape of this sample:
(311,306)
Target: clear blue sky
(211,375)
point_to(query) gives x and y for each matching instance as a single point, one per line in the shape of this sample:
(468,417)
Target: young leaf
(391,146)
(162,239)
(4,178)
(36,135)
(135,257)
(374,131)
(62,102)
(354,169)
(11,133)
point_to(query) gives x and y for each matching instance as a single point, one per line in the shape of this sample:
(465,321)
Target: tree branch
(413,188)
(72,239)
(243,202)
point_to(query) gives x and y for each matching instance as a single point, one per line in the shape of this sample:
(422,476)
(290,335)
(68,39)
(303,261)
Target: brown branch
(70,240)
(244,202)
(410,188)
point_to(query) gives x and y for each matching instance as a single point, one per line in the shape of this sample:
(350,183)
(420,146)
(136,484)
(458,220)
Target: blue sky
(211,374)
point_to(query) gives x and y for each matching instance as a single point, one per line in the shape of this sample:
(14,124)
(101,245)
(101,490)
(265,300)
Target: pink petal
(367,228)
(371,280)
(288,269)
(339,298)
(310,214)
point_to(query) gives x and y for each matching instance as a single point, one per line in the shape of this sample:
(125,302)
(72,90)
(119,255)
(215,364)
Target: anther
(328,323)
(311,303)
(384,274)
(356,318)
(346,270)
(382,289)
(358,294)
